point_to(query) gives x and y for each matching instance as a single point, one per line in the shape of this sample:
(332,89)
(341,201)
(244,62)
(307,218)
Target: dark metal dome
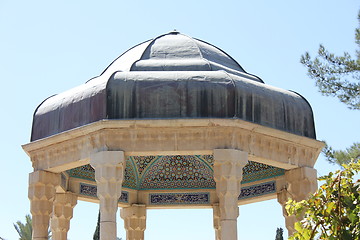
(174,76)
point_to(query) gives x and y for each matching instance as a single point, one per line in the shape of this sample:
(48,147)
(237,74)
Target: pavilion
(174,122)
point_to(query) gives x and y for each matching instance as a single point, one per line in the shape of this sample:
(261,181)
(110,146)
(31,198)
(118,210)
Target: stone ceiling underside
(176,172)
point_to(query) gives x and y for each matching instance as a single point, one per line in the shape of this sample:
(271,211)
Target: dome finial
(174,31)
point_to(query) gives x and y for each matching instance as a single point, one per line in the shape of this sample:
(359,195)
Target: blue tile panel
(179,198)
(90,190)
(257,190)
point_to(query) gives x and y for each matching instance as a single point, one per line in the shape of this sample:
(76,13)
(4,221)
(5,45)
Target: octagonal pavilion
(174,122)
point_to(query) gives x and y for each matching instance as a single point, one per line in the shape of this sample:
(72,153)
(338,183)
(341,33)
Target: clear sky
(47,47)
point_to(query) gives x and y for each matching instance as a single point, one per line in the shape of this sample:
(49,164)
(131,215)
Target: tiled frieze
(90,190)
(257,190)
(179,198)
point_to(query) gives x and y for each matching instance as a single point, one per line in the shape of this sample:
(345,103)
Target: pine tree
(279,234)
(337,76)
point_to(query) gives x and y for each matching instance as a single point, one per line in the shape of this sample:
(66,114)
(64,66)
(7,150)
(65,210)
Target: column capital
(107,158)
(225,155)
(44,177)
(134,221)
(300,183)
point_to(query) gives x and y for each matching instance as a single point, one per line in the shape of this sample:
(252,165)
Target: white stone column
(301,182)
(42,187)
(64,204)
(109,173)
(216,221)
(228,165)
(134,221)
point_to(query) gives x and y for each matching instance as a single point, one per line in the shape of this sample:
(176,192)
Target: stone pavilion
(174,122)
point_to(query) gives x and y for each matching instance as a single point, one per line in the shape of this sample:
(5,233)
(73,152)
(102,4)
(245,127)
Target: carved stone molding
(168,137)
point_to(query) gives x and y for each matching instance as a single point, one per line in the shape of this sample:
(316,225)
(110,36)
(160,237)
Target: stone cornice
(170,137)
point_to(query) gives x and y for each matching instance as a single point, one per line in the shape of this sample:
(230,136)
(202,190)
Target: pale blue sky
(47,47)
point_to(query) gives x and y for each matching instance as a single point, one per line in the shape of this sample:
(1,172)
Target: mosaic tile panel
(84,172)
(257,190)
(90,190)
(209,159)
(170,172)
(255,171)
(130,178)
(88,173)
(176,172)
(142,162)
(179,198)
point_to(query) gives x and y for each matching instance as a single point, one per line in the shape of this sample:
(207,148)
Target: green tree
(342,156)
(24,230)
(333,212)
(279,234)
(337,76)
(96,235)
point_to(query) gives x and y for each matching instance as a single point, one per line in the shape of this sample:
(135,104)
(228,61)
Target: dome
(170,77)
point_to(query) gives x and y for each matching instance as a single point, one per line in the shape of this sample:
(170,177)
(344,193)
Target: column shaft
(62,213)
(134,221)
(228,165)
(41,193)
(109,173)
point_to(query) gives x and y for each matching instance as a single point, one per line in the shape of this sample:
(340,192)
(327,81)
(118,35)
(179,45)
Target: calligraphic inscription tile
(179,198)
(257,190)
(90,190)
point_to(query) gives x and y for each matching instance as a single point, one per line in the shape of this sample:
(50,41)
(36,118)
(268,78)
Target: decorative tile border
(257,190)
(90,190)
(179,198)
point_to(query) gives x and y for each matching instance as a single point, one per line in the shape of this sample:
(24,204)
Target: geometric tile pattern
(178,198)
(254,171)
(84,172)
(171,172)
(257,190)
(176,172)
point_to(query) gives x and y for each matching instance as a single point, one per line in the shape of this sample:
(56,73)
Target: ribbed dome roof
(170,77)
(174,52)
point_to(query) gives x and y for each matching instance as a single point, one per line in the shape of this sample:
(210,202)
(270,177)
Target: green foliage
(279,234)
(337,76)
(341,157)
(333,212)
(24,230)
